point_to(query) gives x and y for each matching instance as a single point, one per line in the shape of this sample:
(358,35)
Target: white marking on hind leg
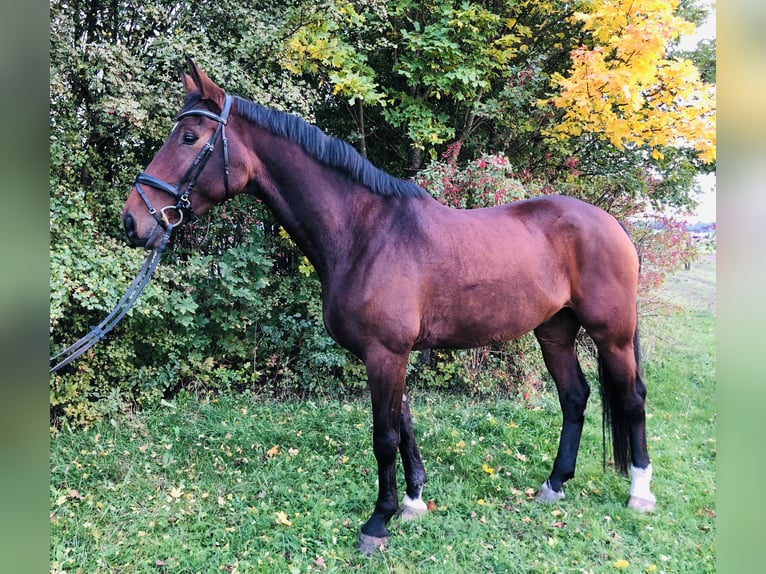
(413,507)
(641,497)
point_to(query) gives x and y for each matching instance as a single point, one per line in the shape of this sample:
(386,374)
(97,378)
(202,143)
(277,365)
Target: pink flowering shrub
(486,181)
(664,246)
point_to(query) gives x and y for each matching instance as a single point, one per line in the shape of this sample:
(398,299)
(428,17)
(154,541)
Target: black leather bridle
(189,179)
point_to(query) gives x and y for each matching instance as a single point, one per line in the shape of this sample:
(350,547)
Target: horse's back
(500,272)
(530,234)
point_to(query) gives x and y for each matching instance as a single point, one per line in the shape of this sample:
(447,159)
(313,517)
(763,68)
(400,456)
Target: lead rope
(99,331)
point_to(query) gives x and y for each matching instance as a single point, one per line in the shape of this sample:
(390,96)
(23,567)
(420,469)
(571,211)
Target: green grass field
(237,484)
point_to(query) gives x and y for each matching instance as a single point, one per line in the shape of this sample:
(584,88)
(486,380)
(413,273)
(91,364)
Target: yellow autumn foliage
(625,88)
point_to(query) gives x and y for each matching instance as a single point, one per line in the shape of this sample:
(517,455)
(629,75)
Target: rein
(183,205)
(99,331)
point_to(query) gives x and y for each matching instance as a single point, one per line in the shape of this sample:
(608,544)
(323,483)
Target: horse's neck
(317,208)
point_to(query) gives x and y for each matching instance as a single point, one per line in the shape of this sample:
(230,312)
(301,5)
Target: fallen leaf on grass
(273,451)
(282,519)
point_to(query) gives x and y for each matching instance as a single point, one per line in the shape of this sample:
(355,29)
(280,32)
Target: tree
(407,82)
(113,89)
(431,70)
(622,87)
(550,84)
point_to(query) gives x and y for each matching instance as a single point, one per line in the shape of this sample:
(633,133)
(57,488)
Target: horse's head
(196,168)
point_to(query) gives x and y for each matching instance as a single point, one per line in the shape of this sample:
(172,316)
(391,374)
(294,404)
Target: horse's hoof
(412,509)
(548,495)
(369,544)
(642,504)
(407,513)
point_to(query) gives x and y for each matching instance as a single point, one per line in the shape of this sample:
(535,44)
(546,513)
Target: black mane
(327,150)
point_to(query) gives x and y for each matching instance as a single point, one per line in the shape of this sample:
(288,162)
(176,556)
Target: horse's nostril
(130,226)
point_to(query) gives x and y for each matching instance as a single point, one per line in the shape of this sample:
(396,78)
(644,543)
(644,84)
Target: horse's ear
(197,80)
(188,82)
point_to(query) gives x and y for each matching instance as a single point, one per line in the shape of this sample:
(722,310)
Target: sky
(705,212)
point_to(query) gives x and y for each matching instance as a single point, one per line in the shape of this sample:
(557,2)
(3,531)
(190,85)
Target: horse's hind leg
(557,342)
(624,398)
(414,471)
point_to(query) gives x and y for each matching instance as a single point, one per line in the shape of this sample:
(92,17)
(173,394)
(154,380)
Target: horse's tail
(615,420)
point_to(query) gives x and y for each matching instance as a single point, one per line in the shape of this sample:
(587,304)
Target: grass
(236,484)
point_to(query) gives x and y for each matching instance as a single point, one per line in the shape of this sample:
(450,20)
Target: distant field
(693,289)
(235,484)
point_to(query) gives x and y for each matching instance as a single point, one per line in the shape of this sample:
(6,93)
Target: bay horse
(400,271)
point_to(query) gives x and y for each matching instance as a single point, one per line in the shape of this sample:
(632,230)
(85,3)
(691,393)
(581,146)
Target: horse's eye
(189,138)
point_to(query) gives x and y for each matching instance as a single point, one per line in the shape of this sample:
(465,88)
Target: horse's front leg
(385,377)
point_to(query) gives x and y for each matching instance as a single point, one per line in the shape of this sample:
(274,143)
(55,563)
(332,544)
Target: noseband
(183,205)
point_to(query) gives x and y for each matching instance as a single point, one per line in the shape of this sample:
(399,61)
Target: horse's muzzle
(131,232)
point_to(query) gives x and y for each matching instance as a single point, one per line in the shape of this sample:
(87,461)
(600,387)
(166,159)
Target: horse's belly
(482,321)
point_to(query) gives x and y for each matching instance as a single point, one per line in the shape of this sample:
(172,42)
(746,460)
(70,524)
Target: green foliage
(513,369)
(321,46)
(704,58)
(111,65)
(473,74)
(453,53)
(293,354)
